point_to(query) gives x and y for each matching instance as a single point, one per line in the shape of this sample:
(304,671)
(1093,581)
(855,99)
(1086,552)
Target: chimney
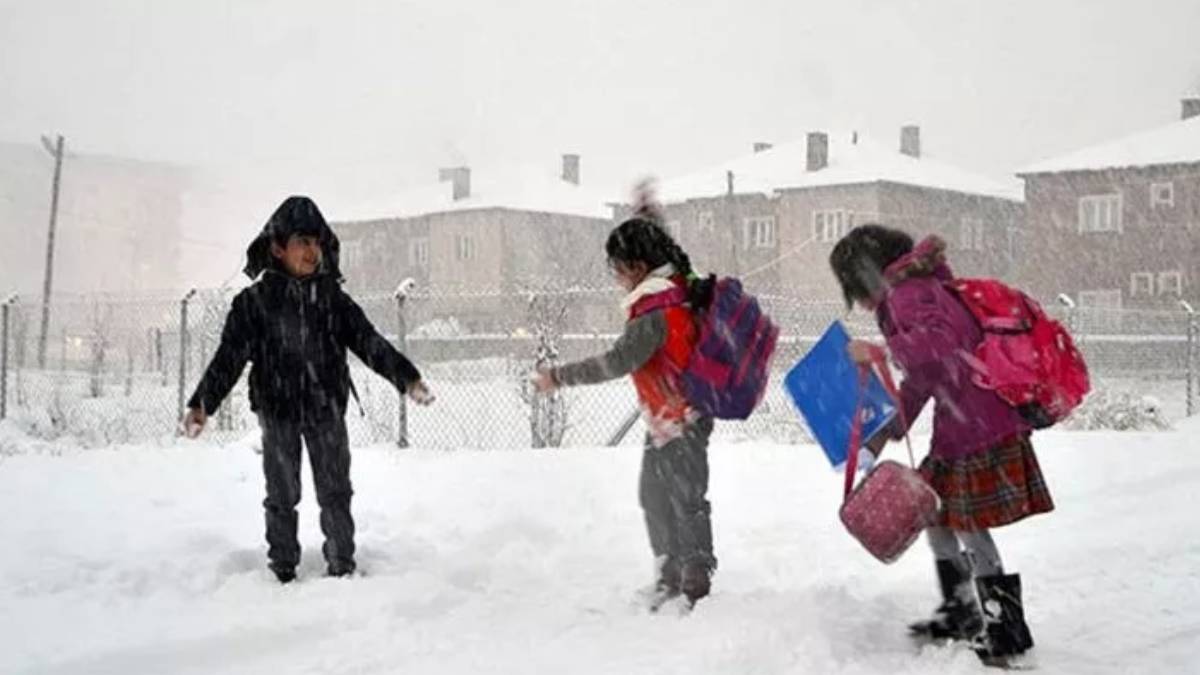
(762,147)
(461,177)
(729,183)
(818,150)
(1191,107)
(910,140)
(570,169)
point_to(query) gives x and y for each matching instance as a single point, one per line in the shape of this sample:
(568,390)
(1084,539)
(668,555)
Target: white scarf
(657,281)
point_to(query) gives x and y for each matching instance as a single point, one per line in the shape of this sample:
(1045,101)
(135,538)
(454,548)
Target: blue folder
(824,387)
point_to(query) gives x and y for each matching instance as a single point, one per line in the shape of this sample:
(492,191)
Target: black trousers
(329,453)
(673,491)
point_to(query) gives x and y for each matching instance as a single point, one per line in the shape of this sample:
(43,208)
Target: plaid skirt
(988,489)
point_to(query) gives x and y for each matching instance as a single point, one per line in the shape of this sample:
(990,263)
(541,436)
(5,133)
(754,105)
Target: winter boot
(958,617)
(695,580)
(286,574)
(340,568)
(1005,632)
(668,577)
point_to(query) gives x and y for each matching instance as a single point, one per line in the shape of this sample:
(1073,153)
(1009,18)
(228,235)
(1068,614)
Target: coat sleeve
(641,339)
(229,361)
(358,335)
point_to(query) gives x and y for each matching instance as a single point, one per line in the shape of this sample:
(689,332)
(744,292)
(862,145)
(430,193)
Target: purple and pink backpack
(726,376)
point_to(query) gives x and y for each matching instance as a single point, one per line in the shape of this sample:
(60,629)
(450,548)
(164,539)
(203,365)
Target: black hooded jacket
(296,332)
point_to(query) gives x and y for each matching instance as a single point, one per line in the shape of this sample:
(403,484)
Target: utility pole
(55,149)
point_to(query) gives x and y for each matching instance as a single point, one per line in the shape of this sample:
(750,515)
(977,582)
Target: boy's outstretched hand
(543,382)
(419,392)
(193,422)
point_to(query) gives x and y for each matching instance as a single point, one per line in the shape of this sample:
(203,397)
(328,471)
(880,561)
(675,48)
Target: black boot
(695,580)
(340,568)
(286,574)
(1005,632)
(958,617)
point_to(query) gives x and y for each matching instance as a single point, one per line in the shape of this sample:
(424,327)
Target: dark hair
(643,240)
(860,258)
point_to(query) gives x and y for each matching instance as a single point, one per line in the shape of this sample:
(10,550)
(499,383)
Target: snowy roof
(850,162)
(522,188)
(1175,143)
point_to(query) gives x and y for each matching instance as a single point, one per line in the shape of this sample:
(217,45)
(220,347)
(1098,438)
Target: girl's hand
(543,382)
(862,351)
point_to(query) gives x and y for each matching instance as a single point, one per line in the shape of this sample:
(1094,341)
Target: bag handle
(880,366)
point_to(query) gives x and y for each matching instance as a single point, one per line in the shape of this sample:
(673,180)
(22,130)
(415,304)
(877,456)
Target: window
(1162,194)
(350,256)
(675,229)
(1170,283)
(464,247)
(1100,213)
(706,221)
(418,252)
(760,232)
(830,225)
(972,234)
(1141,283)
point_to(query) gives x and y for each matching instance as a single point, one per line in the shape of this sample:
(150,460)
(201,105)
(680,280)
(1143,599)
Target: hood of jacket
(297,215)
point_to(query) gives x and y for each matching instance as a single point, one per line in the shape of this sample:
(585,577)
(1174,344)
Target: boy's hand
(543,382)
(862,351)
(193,422)
(420,394)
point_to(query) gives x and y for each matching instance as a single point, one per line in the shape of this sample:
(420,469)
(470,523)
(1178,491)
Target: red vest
(657,381)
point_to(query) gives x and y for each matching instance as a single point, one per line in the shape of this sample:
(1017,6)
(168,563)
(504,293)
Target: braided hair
(642,239)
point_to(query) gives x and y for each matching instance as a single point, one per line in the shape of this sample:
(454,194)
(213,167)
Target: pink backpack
(893,504)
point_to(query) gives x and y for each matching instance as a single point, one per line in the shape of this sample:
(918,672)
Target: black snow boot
(340,568)
(669,577)
(286,574)
(695,580)
(1005,631)
(958,617)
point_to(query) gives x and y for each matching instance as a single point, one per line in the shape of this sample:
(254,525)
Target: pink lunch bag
(889,508)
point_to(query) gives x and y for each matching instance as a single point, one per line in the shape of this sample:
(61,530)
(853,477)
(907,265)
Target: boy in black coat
(295,325)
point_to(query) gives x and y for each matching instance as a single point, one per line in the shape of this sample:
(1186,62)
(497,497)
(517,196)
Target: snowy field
(149,560)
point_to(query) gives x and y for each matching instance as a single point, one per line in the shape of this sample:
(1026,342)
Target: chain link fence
(118,369)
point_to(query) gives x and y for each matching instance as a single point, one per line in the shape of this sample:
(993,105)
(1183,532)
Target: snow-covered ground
(149,560)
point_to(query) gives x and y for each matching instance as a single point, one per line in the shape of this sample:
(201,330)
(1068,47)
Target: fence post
(183,347)
(1066,301)
(401,295)
(1193,335)
(4,323)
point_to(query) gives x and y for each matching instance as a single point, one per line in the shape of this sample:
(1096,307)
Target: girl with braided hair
(655,346)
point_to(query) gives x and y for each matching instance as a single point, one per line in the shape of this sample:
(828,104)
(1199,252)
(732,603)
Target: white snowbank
(149,560)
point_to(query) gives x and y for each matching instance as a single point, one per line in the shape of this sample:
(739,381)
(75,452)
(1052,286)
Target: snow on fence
(117,369)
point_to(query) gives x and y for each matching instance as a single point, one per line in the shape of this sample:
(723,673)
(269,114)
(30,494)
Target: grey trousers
(972,551)
(673,491)
(329,453)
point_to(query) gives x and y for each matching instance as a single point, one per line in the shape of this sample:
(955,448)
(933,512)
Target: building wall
(118,226)
(1152,239)
(983,233)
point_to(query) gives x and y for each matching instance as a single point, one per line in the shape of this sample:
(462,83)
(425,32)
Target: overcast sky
(380,93)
